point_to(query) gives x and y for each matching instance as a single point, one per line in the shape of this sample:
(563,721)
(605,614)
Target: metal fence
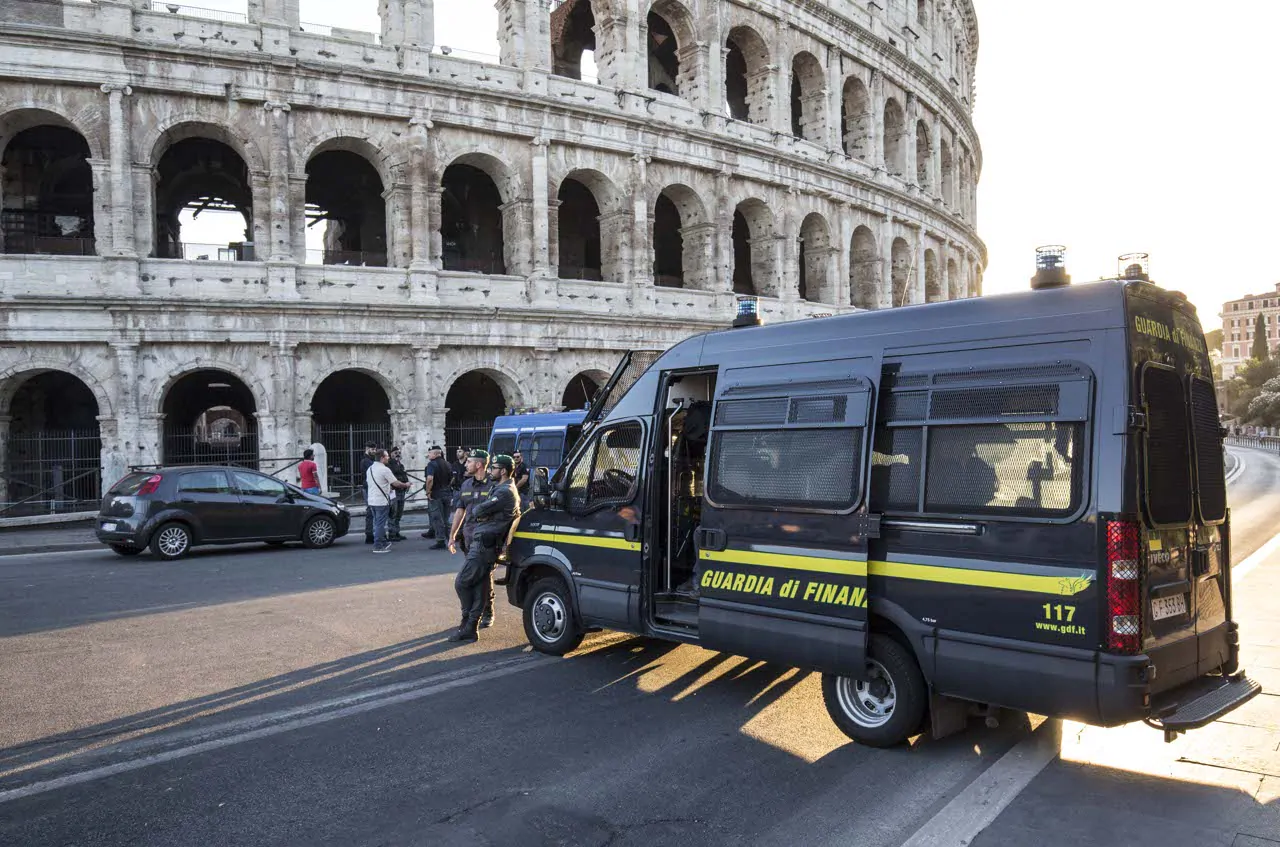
(189,448)
(468,432)
(51,471)
(344,446)
(1258,442)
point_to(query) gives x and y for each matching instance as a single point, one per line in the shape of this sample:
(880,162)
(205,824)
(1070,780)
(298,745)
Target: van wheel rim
(173,541)
(549,617)
(868,702)
(320,532)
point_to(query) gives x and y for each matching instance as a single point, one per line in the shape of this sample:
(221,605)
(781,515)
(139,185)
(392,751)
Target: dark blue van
(542,437)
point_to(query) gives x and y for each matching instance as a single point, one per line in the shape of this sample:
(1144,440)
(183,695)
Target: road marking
(973,809)
(1259,556)
(1237,470)
(275,723)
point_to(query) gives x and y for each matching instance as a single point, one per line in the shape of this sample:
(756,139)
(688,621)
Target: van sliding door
(782,548)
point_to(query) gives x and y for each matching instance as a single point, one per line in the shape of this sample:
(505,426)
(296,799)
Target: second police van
(1015,501)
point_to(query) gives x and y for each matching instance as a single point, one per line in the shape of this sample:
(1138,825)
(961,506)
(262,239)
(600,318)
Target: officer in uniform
(485,512)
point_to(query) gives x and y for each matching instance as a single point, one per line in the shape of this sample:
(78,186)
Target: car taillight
(1124,581)
(150,486)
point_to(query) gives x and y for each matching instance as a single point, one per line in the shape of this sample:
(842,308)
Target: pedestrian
(309,472)
(362,487)
(397,506)
(521,475)
(380,483)
(439,477)
(473,490)
(486,520)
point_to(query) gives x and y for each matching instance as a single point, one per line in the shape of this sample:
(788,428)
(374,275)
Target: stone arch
(924,155)
(955,285)
(13,377)
(855,123)
(573,34)
(585,231)
(754,254)
(345,193)
(681,238)
(351,407)
(195,161)
(746,70)
(895,144)
(397,395)
(16,117)
(903,270)
(380,158)
(933,290)
(507,379)
(174,373)
(581,388)
(864,269)
(44,161)
(817,260)
(479,227)
(199,125)
(671,38)
(808,97)
(210,417)
(473,399)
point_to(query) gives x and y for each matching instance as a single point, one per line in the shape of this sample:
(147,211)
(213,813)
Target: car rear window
(129,486)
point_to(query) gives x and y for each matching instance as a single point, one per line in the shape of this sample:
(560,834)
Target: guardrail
(199,12)
(1258,442)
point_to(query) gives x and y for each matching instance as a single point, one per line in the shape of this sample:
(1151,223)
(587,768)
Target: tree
(1248,385)
(1265,408)
(1261,350)
(1213,338)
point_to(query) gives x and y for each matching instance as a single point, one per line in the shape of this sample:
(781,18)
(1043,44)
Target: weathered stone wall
(134,81)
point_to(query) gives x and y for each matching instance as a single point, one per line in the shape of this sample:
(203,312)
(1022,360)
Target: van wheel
(887,707)
(548,618)
(171,541)
(319,532)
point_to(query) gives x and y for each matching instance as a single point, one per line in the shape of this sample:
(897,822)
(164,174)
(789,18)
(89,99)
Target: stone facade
(838,170)
(1239,318)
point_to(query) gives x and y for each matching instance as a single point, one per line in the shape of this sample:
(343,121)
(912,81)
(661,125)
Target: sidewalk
(62,538)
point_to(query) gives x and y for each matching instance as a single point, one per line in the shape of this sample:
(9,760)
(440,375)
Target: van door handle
(631,532)
(712,539)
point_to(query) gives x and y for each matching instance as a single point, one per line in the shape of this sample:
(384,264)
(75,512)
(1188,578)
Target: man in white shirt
(380,484)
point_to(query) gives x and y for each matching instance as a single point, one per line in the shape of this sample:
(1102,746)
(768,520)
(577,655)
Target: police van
(541,437)
(1015,501)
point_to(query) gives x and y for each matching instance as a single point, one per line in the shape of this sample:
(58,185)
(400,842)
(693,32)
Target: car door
(782,558)
(599,529)
(267,509)
(208,497)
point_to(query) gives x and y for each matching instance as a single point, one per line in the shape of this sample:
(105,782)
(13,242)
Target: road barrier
(1258,442)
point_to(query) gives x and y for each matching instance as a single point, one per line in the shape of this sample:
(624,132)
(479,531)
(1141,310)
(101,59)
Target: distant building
(1238,320)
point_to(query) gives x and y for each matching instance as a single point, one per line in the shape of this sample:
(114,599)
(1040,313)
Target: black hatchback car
(172,510)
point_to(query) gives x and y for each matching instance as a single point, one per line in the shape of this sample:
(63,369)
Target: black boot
(465,633)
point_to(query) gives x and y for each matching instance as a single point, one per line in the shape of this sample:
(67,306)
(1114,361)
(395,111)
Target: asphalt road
(264,696)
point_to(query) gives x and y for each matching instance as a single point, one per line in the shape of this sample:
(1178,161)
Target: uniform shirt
(496,512)
(459,471)
(441,476)
(397,468)
(471,494)
(378,481)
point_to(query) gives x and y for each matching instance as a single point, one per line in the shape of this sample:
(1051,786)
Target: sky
(1110,126)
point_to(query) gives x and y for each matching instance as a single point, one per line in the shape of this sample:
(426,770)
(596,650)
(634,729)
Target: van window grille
(1022,469)
(1206,431)
(1167,451)
(771,410)
(813,386)
(1004,401)
(818,410)
(1060,370)
(788,468)
(893,379)
(895,469)
(907,406)
(628,372)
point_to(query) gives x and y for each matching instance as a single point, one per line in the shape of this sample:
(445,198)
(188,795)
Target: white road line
(272,724)
(1237,470)
(973,809)
(1259,556)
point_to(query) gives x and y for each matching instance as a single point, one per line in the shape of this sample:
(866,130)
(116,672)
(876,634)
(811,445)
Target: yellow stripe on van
(583,540)
(1036,583)
(817,564)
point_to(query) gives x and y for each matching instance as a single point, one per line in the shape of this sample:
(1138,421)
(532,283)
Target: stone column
(835,101)
(297,183)
(918,279)
(419,24)
(790,275)
(289,441)
(279,248)
(420,232)
(637,46)
(615,246)
(909,141)
(103,219)
(553,237)
(723,275)
(120,157)
(612,57)
(283,13)
(144,216)
(397,198)
(541,203)
(877,96)
(887,236)
(524,33)
(936,157)
(641,248)
(127,420)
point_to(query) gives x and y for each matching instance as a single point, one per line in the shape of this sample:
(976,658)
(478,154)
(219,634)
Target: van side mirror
(540,483)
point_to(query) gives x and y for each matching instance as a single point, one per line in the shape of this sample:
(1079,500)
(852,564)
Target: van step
(681,613)
(1202,701)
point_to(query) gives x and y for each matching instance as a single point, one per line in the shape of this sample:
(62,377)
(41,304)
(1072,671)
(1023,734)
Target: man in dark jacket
(397,507)
(492,517)
(370,456)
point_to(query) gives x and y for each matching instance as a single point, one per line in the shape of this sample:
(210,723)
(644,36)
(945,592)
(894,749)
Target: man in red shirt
(308,473)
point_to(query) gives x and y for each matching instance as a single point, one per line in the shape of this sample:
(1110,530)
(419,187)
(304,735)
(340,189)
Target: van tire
(550,622)
(861,710)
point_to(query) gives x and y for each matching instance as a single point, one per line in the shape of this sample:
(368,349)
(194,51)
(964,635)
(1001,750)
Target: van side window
(1013,448)
(502,444)
(606,471)
(548,450)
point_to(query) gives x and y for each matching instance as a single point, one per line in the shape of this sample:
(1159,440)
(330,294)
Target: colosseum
(426,239)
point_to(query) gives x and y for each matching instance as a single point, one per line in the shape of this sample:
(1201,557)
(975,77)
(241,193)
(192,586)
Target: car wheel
(124,549)
(319,532)
(549,622)
(886,707)
(171,541)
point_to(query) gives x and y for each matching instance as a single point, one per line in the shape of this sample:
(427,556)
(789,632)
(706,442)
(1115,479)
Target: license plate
(1168,607)
(108,527)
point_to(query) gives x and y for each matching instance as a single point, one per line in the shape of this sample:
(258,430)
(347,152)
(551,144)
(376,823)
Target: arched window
(210,418)
(668,244)
(471,225)
(664,56)
(204,202)
(816,257)
(349,410)
(808,100)
(579,232)
(573,40)
(864,269)
(902,261)
(933,291)
(895,152)
(346,213)
(51,454)
(753,250)
(47,190)
(855,122)
(474,401)
(746,76)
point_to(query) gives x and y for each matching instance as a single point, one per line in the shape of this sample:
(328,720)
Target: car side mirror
(540,483)
(557,499)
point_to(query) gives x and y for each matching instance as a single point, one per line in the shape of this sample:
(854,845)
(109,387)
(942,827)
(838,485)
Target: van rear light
(150,485)
(1124,583)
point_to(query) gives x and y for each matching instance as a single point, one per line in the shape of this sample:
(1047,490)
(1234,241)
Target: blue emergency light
(748,311)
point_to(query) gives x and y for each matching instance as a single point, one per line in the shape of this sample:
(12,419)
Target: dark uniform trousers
(494,517)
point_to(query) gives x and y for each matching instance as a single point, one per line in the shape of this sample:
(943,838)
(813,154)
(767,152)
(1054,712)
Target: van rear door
(782,558)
